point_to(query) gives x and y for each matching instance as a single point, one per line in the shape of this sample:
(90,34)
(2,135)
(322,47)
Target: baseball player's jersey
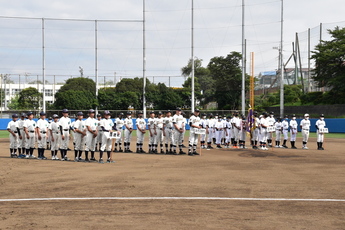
(107,124)
(237,122)
(271,121)
(42,125)
(293,124)
(92,123)
(159,123)
(21,123)
(305,124)
(168,122)
(264,122)
(278,126)
(128,122)
(151,123)
(194,120)
(119,123)
(30,125)
(12,125)
(65,123)
(141,123)
(179,121)
(80,125)
(285,125)
(54,127)
(320,124)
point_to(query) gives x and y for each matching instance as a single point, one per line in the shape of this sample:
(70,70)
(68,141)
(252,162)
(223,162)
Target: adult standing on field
(42,135)
(91,135)
(305,127)
(320,124)
(65,126)
(293,130)
(178,122)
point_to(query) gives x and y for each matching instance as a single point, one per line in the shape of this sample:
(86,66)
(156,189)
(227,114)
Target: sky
(70,44)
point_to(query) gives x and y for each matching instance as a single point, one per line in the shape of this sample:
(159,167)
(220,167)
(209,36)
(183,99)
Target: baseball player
(203,123)
(285,127)
(236,124)
(194,123)
(279,130)
(185,122)
(80,133)
(107,126)
(255,130)
(99,135)
(14,131)
(29,129)
(91,124)
(128,132)
(219,130)
(209,131)
(271,121)
(119,123)
(159,130)
(320,124)
(65,126)
(42,135)
(293,131)
(264,125)
(55,136)
(168,130)
(305,127)
(50,120)
(178,122)
(228,128)
(21,134)
(243,133)
(141,130)
(152,130)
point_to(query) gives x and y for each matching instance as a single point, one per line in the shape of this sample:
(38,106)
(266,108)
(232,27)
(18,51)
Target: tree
(227,74)
(202,76)
(77,93)
(330,64)
(30,99)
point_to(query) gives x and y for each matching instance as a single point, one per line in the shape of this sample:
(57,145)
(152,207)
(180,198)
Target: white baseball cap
(306,115)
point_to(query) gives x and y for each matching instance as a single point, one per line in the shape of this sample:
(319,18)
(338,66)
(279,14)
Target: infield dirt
(234,173)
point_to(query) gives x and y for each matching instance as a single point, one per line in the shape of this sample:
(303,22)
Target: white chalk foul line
(171,198)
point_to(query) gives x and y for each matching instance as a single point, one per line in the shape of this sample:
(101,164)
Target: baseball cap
(160,113)
(42,114)
(178,109)
(140,112)
(65,110)
(15,115)
(23,115)
(29,113)
(99,115)
(197,110)
(168,111)
(121,114)
(80,114)
(106,112)
(151,112)
(129,112)
(91,110)
(306,115)
(55,116)
(322,115)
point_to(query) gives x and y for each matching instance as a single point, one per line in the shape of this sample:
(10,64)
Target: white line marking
(172,198)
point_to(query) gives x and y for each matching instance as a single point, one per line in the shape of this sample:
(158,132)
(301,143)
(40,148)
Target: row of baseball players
(169,129)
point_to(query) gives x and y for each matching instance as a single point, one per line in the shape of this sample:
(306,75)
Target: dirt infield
(230,173)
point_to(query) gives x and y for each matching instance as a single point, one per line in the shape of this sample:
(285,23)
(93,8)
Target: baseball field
(221,189)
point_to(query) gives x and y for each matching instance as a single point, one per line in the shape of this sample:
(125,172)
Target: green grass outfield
(5,134)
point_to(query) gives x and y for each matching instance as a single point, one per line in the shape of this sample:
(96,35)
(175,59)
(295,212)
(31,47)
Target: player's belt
(220,129)
(31,131)
(15,131)
(286,129)
(57,133)
(106,130)
(65,129)
(306,129)
(42,132)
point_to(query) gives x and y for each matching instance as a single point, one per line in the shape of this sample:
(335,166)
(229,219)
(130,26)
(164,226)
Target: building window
(49,92)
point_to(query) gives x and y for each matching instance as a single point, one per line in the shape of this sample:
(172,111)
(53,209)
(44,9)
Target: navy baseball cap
(106,112)
(65,110)
(91,111)
(29,113)
(178,109)
(80,114)
(55,116)
(42,114)
(15,115)
(129,112)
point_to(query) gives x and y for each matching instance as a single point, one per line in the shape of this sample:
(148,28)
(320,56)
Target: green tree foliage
(330,65)
(227,75)
(203,79)
(77,93)
(167,98)
(14,103)
(29,99)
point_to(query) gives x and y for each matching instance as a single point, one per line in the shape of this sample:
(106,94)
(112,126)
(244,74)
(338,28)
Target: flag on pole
(250,121)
